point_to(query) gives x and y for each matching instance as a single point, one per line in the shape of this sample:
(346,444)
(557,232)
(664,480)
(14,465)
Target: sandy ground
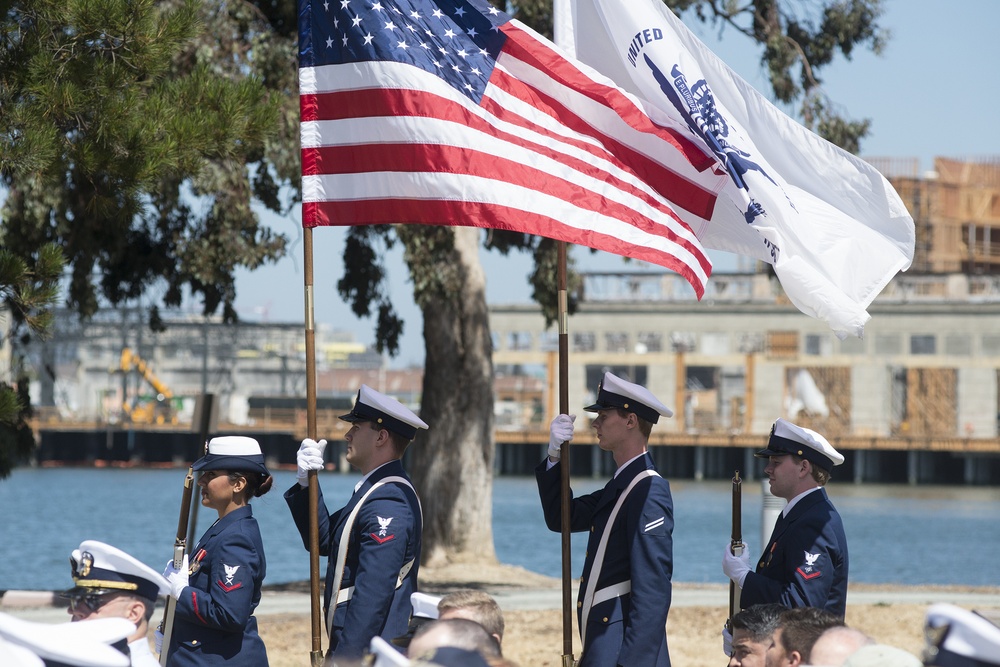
(534,638)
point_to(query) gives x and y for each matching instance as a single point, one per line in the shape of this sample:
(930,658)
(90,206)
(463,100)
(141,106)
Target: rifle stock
(180,546)
(736,546)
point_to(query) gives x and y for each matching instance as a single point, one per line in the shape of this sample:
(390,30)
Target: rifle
(180,546)
(736,546)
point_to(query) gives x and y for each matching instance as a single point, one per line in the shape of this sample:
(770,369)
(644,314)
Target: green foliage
(28,289)
(116,112)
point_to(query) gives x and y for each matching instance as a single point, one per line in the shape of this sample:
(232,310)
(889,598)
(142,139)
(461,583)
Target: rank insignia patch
(808,570)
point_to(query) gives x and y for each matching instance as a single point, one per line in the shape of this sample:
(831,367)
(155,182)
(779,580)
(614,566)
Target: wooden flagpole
(316,655)
(567,566)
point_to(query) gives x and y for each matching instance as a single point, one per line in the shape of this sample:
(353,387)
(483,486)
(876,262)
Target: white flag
(832,226)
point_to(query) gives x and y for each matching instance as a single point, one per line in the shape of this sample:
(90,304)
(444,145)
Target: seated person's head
(473,606)
(453,633)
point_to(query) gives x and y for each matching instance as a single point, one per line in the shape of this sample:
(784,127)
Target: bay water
(913,535)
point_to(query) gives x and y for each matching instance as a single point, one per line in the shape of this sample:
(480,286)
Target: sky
(933,92)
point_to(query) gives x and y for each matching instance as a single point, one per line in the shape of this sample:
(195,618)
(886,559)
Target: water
(897,534)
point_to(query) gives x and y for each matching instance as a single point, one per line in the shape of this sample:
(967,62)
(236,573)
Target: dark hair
(399,443)
(802,626)
(257,484)
(645,427)
(760,620)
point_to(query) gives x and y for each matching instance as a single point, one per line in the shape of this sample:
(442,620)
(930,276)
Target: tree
(135,149)
(26,294)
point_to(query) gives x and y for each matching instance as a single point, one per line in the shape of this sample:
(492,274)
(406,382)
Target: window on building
(585,341)
(616,341)
(548,341)
(818,344)
(853,345)
(991,345)
(651,341)
(923,344)
(519,341)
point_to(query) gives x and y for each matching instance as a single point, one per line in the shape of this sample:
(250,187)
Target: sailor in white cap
(625,589)
(110,583)
(958,637)
(372,543)
(219,586)
(805,562)
(94,643)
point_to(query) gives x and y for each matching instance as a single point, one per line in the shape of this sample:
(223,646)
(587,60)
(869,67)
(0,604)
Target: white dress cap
(615,392)
(787,438)
(100,566)
(424,605)
(232,452)
(80,644)
(387,412)
(959,638)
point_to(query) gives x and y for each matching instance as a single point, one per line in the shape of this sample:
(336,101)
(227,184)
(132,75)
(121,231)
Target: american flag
(449,112)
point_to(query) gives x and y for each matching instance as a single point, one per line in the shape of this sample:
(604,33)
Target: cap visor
(768,452)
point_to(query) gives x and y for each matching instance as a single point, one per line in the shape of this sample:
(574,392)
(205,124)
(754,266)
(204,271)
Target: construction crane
(158,411)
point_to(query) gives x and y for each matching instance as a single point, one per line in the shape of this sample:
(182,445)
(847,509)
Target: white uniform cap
(882,655)
(959,638)
(614,392)
(81,644)
(387,412)
(386,654)
(424,605)
(101,567)
(787,438)
(232,452)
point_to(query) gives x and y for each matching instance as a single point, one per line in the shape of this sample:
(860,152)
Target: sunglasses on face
(91,601)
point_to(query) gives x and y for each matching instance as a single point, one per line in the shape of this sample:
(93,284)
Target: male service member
(625,590)
(805,562)
(373,542)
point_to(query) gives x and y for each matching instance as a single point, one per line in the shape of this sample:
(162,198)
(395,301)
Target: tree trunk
(452,462)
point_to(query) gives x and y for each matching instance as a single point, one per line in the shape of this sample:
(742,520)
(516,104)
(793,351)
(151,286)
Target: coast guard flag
(833,228)
(449,112)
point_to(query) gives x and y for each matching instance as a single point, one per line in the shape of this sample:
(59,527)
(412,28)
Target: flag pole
(567,598)
(316,655)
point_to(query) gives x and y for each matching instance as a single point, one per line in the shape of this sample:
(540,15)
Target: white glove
(177,579)
(727,642)
(560,431)
(158,640)
(736,567)
(310,457)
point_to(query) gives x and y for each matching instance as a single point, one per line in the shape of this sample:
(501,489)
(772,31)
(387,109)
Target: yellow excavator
(157,411)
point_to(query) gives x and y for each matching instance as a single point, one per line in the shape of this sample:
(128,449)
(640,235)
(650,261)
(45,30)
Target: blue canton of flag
(456,40)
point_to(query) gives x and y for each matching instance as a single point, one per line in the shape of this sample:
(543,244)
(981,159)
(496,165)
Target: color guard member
(218,588)
(373,542)
(625,589)
(805,562)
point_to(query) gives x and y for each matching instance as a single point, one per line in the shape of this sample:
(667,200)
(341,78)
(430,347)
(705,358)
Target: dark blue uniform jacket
(214,622)
(386,535)
(805,562)
(629,630)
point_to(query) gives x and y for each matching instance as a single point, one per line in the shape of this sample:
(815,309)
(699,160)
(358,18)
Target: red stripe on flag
(451,160)
(488,216)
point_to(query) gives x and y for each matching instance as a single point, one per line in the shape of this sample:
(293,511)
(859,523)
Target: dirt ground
(534,638)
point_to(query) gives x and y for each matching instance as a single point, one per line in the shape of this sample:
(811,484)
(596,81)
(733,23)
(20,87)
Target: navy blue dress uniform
(626,611)
(214,622)
(384,525)
(805,563)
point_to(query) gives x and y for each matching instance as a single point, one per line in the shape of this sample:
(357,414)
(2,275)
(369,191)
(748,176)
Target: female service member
(219,586)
